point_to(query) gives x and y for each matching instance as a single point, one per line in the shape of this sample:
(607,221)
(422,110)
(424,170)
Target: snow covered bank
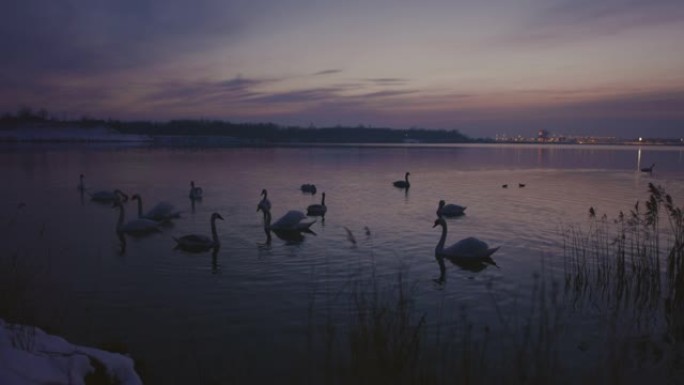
(62,134)
(28,355)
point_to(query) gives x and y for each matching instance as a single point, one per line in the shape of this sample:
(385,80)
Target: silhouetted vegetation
(249,133)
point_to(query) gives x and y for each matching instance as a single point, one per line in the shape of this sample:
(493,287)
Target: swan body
(264,203)
(138,226)
(466,249)
(109,196)
(308,188)
(196,242)
(317,210)
(450,210)
(403,183)
(195,192)
(291,234)
(162,211)
(293,220)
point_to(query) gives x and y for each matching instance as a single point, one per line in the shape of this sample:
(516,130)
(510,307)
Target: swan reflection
(474,266)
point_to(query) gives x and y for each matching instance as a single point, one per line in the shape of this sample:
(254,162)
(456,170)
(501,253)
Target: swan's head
(439,222)
(216,216)
(442,203)
(135,197)
(123,197)
(407,173)
(264,192)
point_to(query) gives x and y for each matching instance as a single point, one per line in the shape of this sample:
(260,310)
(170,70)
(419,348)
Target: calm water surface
(189,316)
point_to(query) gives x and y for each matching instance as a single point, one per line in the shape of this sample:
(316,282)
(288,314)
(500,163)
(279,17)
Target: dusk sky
(613,67)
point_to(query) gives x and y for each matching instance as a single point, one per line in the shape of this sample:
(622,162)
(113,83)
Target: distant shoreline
(217,133)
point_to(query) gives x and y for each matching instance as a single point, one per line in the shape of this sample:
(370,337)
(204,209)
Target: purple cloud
(571,20)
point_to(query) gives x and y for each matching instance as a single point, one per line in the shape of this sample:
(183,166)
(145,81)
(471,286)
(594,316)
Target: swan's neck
(442,239)
(267,222)
(140,210)
(120,222)
(323,199)
(214,234)
(406,178)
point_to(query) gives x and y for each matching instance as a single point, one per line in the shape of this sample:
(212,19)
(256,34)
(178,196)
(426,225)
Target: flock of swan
(470,253)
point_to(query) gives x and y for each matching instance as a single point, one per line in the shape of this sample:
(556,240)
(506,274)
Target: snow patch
(28,355)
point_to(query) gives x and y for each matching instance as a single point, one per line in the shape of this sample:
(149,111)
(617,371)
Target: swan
(449,210)
(504,186)
(648,169)
(197,243)
(109,196)
(195,192)
(521,185)
(138,226)
(317,210)
(403,183)
(162,211)
(308,188)
(290,235)
(293,220)
(264,203)
(470,248)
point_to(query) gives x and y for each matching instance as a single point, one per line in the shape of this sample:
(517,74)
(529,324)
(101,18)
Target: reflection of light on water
(639,159)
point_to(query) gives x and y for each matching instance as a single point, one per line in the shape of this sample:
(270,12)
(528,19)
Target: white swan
(109,196)
(197,243)
(293,220)
(264,203)
(403,183)
(162,211)
(465,249)
(450,210)
(195,192)
(317,210)
(138,226)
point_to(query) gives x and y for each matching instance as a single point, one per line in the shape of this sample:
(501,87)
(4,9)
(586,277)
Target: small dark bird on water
(521,185)
(403,183)
(592,213)
(504,186)
(308,188)
(648,169)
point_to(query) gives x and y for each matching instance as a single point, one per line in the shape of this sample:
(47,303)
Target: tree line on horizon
(253,132)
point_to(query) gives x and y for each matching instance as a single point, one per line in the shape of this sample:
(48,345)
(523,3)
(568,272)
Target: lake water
(246,313)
